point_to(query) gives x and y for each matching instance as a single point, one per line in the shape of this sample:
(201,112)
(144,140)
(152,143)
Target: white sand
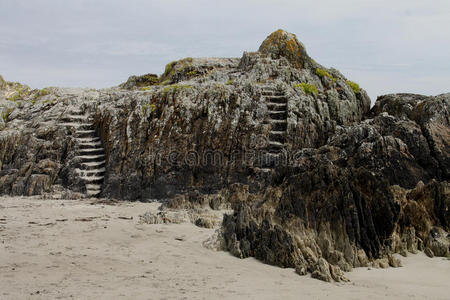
(45,253)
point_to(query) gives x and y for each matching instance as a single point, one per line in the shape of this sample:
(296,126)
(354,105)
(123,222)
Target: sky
(385,46)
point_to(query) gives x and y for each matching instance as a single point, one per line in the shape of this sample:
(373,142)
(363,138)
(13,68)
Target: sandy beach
(78,249)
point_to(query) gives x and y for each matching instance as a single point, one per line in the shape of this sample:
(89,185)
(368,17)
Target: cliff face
(316,180)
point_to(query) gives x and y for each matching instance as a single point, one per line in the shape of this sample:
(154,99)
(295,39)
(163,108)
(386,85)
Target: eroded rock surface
(318,181)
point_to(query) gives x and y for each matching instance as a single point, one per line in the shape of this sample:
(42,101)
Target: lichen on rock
(284,44)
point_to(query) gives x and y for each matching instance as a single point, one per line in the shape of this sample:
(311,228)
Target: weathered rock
(321,270)
(394,262)
(429,252)
(438,242)
(202,222)
(146,80)
(347,187)
(284,44)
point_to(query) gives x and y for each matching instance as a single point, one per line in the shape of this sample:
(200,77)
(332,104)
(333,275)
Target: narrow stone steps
(90,152)
(277,113)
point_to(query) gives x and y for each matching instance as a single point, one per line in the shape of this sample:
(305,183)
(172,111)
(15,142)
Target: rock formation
(317,180)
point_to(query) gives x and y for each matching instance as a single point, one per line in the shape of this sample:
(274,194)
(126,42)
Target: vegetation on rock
(324,73)
(354,86)
(309,89)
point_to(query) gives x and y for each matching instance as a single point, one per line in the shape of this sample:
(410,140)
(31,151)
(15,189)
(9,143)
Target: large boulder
(284,44)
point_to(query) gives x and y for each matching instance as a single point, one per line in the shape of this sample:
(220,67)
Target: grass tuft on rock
(354,86)
(175,87)
(309,89)
(324,73)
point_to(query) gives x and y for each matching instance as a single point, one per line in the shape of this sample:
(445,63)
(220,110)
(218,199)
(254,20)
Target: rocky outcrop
(282,44)
(317,180)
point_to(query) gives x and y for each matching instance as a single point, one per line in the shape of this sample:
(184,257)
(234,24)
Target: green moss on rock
(309,89)
(175,67)
(175,87)
(140,81)
(354,86)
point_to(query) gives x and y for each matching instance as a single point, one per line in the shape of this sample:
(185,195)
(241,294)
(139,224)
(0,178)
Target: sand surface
(74,249)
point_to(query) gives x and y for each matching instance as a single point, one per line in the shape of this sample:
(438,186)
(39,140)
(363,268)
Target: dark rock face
(378,186)
(317,180)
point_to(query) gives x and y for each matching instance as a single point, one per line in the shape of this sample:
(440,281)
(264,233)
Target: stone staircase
(90,151)
(277,118)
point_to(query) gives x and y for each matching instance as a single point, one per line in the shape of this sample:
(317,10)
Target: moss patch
(145,108)
(192,73)
(230,82)
(309,89)
(175,87)
(354,86)
(324,73)
(174,67)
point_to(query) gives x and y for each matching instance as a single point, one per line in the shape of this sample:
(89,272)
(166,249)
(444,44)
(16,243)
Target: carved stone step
(281,125)
(93,193)
(91,172)
(91,158)
(91,151)
(277,106)
(76,112)
(85,133)
(73,117)
(93,165)
(277,115)
(277,136)
(90,145)
(92,179)
(88,140)
(78,126)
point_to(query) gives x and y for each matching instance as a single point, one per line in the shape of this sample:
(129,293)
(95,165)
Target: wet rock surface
(317,180)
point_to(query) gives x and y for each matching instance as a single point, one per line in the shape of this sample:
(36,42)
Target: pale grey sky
(386,46)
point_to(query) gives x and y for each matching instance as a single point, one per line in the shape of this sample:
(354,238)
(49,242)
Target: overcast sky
(386,46)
